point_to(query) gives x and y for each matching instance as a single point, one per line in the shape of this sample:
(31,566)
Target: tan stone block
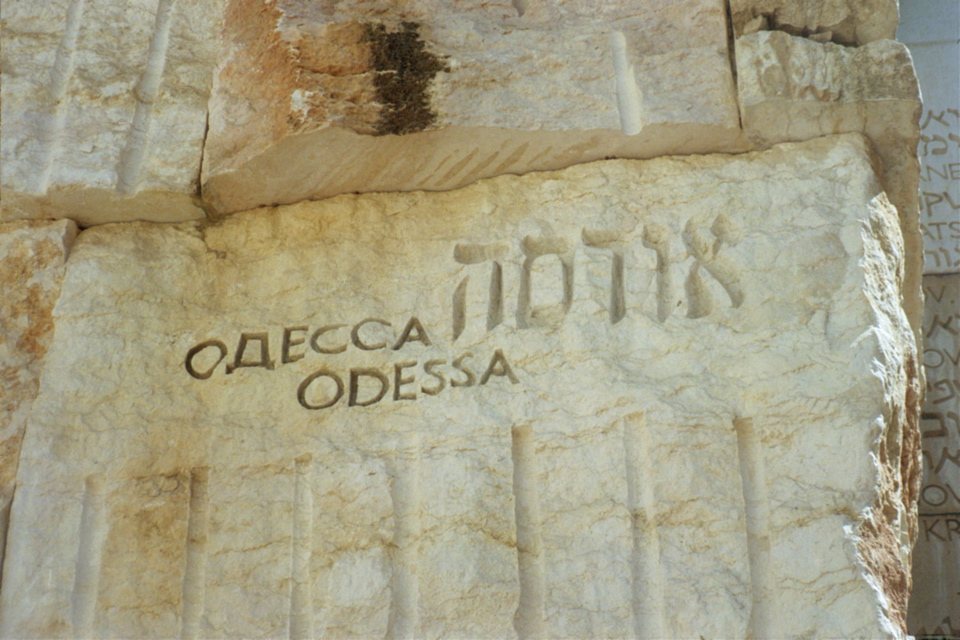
(32,257)
(104,108)
(849,22)
(652,398)
(793,88)
(314,99)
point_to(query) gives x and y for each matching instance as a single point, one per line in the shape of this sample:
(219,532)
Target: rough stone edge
(888,529)
(68,236)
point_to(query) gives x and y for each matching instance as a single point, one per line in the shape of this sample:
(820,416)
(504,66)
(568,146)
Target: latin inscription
(355,386)
(410,379)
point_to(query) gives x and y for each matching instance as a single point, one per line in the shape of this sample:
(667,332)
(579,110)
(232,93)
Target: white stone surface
(32,258)
(708,434)
(104,107)
(848,22)
(793,88)
(296,112)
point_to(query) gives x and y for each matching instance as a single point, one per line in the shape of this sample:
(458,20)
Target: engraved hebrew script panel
(573,403)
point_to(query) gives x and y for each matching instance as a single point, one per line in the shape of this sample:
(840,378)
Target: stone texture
(849,22)
(664,398)
(935,602)
(309,102)
(104,108)
(793,88)
(32,257)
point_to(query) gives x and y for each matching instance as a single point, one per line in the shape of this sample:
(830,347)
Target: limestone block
(849,22)
(662,398)
(32,256)
(793,88)
(313,99)
(935,601)
(104,107)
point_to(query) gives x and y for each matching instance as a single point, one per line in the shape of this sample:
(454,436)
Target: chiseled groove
(756,504)
(60,75)
(628,93)
(83,601)
(195,564)
(528,620)
(301,583)
(130,167)
(647,573)
(404,621)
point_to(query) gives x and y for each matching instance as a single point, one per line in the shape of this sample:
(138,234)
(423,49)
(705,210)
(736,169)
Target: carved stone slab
(632,398)
(314,99)
(935,602)
(104,107)
(32,257)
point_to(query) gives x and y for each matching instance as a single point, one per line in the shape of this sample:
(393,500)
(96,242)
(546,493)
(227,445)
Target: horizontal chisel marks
(757,509)
(528,620)
(130,167)
(60,75)
(194,573)
(404,619)
(301,583)
(93,532)
(646,570)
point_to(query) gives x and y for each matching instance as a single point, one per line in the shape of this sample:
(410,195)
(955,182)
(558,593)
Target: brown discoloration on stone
(32,256)
(335,79)
(404,71)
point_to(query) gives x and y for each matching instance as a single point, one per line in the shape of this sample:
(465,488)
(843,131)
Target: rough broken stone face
(32,257)
(793,88)
(314,99)
(104,107)
(632,398)
(848,22)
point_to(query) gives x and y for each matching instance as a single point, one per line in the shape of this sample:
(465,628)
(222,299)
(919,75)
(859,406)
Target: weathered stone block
(104,108)
(32,257)
(659,398)
(316,99)
(793,88)
(848,22)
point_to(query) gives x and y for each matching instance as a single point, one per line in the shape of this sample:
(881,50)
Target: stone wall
(932,31)
(431,319)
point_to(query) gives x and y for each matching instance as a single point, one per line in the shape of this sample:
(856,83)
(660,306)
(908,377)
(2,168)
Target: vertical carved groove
(756,504)
(60,75)
(195,569)
(617,305)
(656,237)
(301,583)
(528,620)
(460,308)
(533,248)
(647,573)
(130,167)
(628,93)
(404,619)
(495,309)
(613,242)
(86,582)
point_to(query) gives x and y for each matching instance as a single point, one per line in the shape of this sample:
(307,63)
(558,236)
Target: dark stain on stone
(404,70)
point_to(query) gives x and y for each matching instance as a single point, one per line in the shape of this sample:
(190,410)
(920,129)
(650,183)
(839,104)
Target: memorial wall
(455,319)
(932,31)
